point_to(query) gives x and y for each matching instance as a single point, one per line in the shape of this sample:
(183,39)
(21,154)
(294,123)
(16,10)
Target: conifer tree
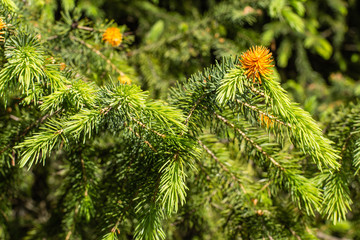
(227,153)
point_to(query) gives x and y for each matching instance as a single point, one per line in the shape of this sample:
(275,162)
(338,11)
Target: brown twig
(263,113)
(144,126)
(145,141)
(193,109)
(68,235)
(265,186)
(257,91)
(345,144)
(221,165)
(83,170)
(52,37)
(123,212)
(324,236)
(106,110)
(99,54)
(259,148)
(85,28)
(294,234)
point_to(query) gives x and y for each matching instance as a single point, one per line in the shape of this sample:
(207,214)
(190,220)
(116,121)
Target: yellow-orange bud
(113,36)
(257,62)
(124,79)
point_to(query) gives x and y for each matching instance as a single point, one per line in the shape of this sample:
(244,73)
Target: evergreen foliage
(178,130)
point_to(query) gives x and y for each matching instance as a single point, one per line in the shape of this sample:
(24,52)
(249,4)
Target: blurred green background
(315,45)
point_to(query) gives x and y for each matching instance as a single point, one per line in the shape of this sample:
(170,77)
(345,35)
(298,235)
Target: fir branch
(27,130)
(138,135)
(222,165)
(233,82)
(149,226)
(25,64)
(337,199)
(122,129)
(305,132)
(83,123)
(145,127)
(108,61)
(9,4)
(303,191)
(74,96)
(172,178)
(193,108)
(295,234)
(254,108)
(257,147)
(356,160)
(40,144)
(172,184)
(169,117)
